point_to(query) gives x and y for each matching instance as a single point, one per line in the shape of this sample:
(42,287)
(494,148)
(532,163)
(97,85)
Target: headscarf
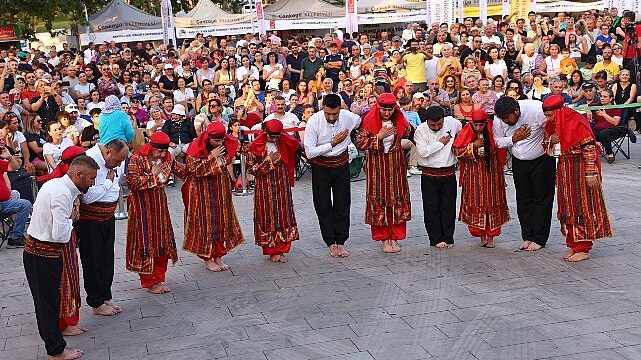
(570,126)
(66,158)
(373,122)
(158,140)
(111,104)
(287,146)
(468,135)
(198,148)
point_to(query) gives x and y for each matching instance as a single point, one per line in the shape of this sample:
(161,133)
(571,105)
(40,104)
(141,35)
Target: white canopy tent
(209,19)
(304,14)
(121,22)
(390,11)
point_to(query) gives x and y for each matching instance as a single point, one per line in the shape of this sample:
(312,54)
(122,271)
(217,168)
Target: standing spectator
(107,84)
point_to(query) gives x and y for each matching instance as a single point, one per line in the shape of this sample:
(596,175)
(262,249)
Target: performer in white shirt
(96,226)
(288,119)
(434,139)
(51,225)
(520,125)
(327,136)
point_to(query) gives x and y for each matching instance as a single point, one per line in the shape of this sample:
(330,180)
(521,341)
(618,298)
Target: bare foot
(387,247)
(580,256)
(525,245)
(489,242)
(395,246)
(74,330)
(444,245)
(333,250)
(219,262)
(274,258)
(116,307)
(568,254)
(67,354)
(533,247)
(156,289)
(342,252)
(215,267)
(165,287)
(283,258)
(104,310)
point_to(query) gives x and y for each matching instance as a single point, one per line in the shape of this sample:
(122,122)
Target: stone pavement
(463,303)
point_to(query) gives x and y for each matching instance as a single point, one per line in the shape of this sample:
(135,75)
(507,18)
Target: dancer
(483,201)
(150,235)
(434,139)
(521,127)
(50,229)
(211,226)
(271,159)
(581,206)
(387,196)
(70,279)
(96,226)
(327,136)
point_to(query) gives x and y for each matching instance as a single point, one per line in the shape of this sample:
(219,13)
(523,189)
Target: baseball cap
(71,108)
(168,66)
(418,95)
(22,55)
(396,38)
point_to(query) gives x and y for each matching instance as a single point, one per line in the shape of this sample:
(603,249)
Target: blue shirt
(115,126)
(412,117)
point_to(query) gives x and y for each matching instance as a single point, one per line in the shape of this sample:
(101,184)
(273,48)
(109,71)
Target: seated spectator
(538,89)
(138,112)
(55,145)
(68,130)
(89,136)
(485,98)
(15,139)
(35,136)
(288,119)
(605,124)
(19,207)
(590,95)
(181,132)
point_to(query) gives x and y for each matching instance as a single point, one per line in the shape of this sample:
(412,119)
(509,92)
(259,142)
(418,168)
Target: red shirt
(28,94)
(629,49)
(251,120)
(600,123)
(5,192)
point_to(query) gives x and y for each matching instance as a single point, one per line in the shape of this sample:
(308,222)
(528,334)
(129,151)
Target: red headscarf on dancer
(373,122)
(287,146)
(215,130)
(66,158)
(159,140)
(468,135)
(570,126)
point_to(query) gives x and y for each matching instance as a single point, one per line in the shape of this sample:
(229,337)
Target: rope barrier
(605,107)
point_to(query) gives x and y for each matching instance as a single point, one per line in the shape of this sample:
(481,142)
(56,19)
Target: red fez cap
(387,100)
(479,115)
(553,102)
(274,126)
(216,129)
(159,140)
(71,152)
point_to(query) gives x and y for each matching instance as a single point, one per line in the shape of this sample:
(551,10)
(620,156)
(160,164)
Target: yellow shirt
(611,69)
(415,66)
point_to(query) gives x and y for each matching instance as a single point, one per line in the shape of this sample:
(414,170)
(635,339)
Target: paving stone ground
(463,303)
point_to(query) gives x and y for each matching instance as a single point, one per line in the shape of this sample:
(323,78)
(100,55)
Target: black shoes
(16,243)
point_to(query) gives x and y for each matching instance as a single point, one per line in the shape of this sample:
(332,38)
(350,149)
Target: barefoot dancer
(483,201)
(388,200)
(70,280)
(211,226)
(434,140)
(582,211)
(271,159)
(521,127)
(150,235)
(96,227)
(326,140)
(50,229)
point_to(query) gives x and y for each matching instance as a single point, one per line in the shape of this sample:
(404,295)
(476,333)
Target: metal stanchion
(243,178)
(34,187)
(121,213)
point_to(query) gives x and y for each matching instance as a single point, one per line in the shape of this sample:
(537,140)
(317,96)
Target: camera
(64,83)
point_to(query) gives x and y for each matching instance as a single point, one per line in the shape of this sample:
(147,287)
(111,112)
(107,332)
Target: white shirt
(55,151)
(18,138)
(490,39)
(180,96)
(81,124)
(430,68)
(319,133)
(496,68)
(531,147)
(431,152)
(50,218)
(242,71)
(100,105)
(105,190)
(288,119)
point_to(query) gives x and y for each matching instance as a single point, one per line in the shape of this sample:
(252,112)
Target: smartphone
(64,83)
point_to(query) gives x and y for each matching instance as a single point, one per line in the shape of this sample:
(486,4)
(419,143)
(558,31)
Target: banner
(167,18)
(556,6)
(217,30)
(260,16)
(122,36)
(472,8)
(351,12)
(506,9)
(7,33)
(306,24)
(441,12)
(520,9)
(392,17)
(461,10)
(483,11)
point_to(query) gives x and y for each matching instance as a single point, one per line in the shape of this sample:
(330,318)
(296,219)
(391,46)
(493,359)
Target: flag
(167,18)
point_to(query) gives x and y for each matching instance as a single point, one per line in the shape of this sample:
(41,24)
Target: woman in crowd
(35,141)
(471,69)
(485,98)
(184,95)
(124,81)
(605,124)
(55,145)
(538,89)
(551,67)
(95,101)
(204,73)
(497,85)
(625,92)
(83,88)
(574,86)
(273,72)
(155,121)
(225,76)
(203,96)
(495,66)
(246,72)
(305,97)
(450,88)
(128,94)
(286,91)
(464,106)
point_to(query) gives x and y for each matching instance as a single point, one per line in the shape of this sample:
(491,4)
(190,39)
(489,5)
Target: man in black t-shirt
(333,64)
(310,65)
(89,136)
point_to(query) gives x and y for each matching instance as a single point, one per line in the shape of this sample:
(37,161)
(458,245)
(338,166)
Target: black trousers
(534,181)
(333,216)
(43,276)
(96,239)
(607,136)
(439,207)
